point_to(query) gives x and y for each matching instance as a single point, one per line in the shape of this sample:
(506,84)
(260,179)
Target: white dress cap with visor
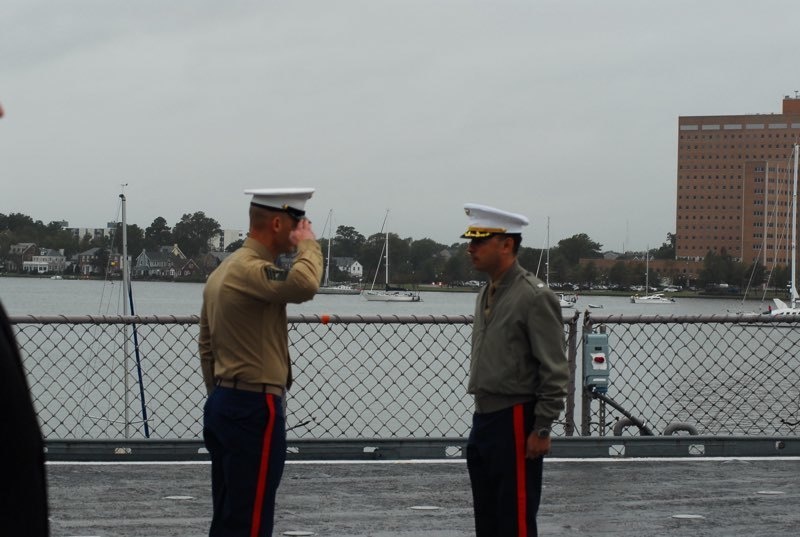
(486,221)
(289,200)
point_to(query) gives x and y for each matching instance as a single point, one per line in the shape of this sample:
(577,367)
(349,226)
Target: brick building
(735,185)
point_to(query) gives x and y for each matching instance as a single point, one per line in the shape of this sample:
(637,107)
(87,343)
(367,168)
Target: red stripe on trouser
(520,442)
(261,484)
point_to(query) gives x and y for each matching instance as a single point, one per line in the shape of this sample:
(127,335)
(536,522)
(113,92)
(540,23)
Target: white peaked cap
(485,221)
(290,200)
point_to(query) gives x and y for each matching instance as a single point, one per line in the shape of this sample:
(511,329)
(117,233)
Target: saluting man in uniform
(518,375)
(244,353)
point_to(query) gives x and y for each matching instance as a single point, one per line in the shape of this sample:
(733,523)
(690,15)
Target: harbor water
(356,382)
(43,296)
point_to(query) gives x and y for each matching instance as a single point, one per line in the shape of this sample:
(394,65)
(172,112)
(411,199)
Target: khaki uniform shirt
(243,328)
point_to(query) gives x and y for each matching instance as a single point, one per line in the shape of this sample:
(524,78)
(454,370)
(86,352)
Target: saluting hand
(302,232)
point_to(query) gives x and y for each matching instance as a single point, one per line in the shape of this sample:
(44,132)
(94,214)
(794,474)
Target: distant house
(172,250)
(88,260)
(349,266)
(47,260)
(154,265)
(186,268)
(166,262)
(18,254)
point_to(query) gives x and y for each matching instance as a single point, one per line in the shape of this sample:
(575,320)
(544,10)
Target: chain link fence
(356,377)
(706,375)
(396,377)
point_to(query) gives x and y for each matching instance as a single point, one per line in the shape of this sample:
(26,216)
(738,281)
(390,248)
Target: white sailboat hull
(652,299)
(338,290)
(782,308)
(390,296)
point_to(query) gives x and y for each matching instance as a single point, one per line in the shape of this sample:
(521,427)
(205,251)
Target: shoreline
(445,289)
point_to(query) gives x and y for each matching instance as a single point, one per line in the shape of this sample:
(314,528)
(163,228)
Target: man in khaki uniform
(244,353)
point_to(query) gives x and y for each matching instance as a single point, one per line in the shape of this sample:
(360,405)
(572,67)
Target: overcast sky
(559,108)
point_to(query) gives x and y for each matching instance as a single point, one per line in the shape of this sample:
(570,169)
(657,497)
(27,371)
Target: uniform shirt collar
(262,251)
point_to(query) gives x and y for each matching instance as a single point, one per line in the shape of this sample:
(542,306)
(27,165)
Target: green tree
(533,260)
(589,273)
(579,246)
(373,256)
(667,250)
(457,266)
(619,274)
(100,263)
(347,242)
(157,234)
(135,236)
(755,275)
(59,238)
(780,277)
(426,263)
(193,232)
(720,268)
(85,243)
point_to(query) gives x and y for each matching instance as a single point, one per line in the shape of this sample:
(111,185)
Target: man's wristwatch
(544,432)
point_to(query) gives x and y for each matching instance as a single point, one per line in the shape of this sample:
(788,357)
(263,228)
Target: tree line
(412,261)
(191,233)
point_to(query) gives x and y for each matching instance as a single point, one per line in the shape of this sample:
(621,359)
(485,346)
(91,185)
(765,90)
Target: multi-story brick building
(735,185)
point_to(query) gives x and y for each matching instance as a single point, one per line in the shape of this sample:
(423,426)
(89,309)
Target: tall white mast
(330,232)
(387,259)
(547,262)
(125,287)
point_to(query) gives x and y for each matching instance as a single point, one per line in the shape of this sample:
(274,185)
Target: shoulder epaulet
(533,281)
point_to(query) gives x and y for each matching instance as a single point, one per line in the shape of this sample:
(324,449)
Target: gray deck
(633,497)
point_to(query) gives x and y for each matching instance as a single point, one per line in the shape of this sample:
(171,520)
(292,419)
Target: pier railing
(400,378)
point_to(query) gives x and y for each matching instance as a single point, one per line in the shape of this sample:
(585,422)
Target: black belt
(250,387)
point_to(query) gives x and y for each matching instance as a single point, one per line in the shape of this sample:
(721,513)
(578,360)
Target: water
(356,381)
(43,296)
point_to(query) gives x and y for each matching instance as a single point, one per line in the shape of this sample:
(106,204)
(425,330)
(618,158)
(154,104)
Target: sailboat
(563,300)
(655,298)
(389,294)
(781,308)
(326,288)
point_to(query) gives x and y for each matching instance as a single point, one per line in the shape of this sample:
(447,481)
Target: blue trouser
(506,487)
(245,433)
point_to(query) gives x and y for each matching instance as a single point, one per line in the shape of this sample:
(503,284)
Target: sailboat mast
(547,261)
(387,260)
(328,263)
(125,287)
(124,261)
(793,291)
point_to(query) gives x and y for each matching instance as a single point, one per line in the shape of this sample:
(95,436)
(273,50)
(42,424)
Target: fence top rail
(194,319)
(296,319)
(730,318)
(104,319)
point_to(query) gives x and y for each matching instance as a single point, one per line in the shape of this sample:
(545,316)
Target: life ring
(672,428)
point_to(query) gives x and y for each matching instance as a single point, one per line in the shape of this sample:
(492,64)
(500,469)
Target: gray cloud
(560,109)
